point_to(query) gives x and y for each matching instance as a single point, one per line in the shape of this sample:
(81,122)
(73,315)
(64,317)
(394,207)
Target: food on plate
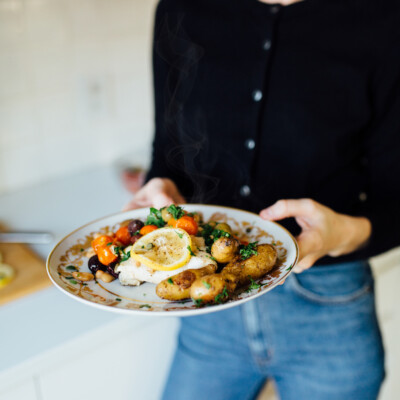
(177,287)
(184,256)
(225,249)
(240,271)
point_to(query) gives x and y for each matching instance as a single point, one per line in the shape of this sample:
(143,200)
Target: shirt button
(257,95)
(245,190)
(363,196)
(250,144)
(274,9)
(267,45)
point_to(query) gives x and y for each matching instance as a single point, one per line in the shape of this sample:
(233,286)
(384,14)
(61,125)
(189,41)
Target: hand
(323,231)
(158,192)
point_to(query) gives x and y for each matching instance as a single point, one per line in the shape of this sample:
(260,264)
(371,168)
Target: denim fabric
(316,336)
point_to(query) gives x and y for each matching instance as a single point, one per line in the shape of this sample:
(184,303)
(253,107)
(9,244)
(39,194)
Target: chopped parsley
(210,234)
(145,305)
(82,249)
(118,299)
(71,268)
(219,298)
(197,302)
(176,211)
(155,218)
(289,268)
(206,284)
(73,281)
(68,277)
(247,251)
(170,281)
(125,256)
(179,234)
(190,251)
(253,285)
(109,244)
(212,258)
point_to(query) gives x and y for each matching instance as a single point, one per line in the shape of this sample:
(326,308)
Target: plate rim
(175,313)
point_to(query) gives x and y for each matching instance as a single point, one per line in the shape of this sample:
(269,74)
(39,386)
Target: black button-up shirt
(257,102)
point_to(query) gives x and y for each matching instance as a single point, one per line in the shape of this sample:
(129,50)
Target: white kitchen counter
(37,329)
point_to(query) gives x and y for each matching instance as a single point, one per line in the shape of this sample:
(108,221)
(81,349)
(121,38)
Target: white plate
(142,300)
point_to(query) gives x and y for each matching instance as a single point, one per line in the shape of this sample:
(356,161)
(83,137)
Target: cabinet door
(24,390)
(133,365)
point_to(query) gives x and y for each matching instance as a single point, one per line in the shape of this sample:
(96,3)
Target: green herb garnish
(190,251)
(210,234)
(179,234)
(145,305)
(289,268)
(118,299)
(212,258)
(197,302)
(247,251)
(109,244)
(155,218)
(170,281)
(176,211)
(82,249)
(73,281)
(125,256)
(253,285)
(71,268)
(206,284)
(221,296)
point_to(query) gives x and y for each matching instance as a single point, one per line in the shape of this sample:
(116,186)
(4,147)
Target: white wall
(75,85)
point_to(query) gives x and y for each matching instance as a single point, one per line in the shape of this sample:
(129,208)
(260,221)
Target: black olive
(134,226)
(135,238)
(94,264)
(111,270)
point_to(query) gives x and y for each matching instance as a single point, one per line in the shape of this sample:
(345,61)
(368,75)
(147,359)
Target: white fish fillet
(133,273)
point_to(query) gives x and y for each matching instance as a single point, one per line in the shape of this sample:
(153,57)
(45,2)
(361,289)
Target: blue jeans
(316,336)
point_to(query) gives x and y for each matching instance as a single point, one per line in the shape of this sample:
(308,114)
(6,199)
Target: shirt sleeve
(383,157)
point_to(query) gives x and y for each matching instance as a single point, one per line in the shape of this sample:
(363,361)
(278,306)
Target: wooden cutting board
(30,271)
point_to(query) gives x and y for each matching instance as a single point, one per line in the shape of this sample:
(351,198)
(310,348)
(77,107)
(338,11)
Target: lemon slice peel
(164,249)
(7,274)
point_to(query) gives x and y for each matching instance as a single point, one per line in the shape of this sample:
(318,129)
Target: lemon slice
(164,249)
(7,274)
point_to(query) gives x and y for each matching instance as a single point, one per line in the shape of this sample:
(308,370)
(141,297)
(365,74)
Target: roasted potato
(177,287)
(225,249)
(218,287)
(255,266)
(224,227)
(213,288)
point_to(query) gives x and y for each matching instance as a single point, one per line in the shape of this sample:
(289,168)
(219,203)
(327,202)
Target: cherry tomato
(147,229)
(101,241)
(188,224)
(123,235)
(106,255)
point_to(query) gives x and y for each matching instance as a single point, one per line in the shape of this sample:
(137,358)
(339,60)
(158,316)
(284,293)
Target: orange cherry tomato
(123,235)
(188,224)
(101,241)
(106,255)
(147,229)
(172,222)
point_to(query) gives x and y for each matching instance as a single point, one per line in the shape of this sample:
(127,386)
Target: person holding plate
(290,110)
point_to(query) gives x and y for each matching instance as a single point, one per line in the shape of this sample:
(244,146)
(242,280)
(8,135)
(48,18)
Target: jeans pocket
(334,284)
